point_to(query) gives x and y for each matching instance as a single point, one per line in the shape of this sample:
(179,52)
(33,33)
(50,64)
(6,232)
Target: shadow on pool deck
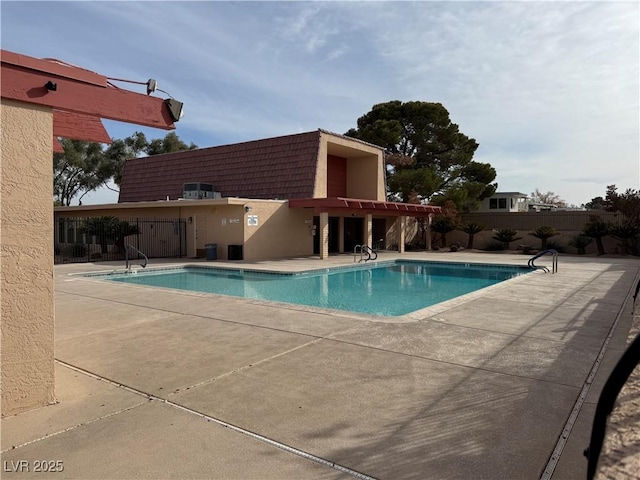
(480,388)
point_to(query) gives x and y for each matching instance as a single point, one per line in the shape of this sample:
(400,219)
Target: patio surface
(155,383)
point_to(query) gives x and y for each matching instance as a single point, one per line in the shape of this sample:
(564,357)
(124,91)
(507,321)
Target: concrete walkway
(155,383)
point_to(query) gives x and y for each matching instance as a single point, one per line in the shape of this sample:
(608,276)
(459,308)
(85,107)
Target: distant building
(505,202)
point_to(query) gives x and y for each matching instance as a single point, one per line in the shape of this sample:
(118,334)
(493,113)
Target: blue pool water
(390,289)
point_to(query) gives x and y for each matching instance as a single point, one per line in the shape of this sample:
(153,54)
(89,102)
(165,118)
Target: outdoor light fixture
(247,208)
(175,108)
(152,86)
(51,86)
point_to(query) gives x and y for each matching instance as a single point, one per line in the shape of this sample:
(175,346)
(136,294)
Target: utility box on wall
(235,252)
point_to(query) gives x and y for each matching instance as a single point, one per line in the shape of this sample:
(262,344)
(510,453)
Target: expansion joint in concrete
(208,418)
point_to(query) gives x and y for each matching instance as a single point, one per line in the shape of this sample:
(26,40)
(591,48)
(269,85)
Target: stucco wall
(365,178)
(483,239)
(27,257)
(281,232)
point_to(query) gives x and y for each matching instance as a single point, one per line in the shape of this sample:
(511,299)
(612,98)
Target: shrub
(506,236)
(443,225)
(544,233)
(597,229)
(580,242)
(629,237)
(495,246)
(555,246)
(471,229)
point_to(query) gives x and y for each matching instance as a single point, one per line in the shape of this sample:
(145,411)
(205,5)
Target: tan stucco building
(313,193)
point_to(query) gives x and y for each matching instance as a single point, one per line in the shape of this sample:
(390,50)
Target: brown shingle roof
(280,167)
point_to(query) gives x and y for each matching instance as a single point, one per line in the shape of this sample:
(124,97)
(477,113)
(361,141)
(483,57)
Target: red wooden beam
(79,127)
(54,67)
(28,85)
(363,206)
(57,146)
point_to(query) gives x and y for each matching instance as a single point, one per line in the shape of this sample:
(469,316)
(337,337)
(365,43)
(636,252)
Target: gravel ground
(620,456)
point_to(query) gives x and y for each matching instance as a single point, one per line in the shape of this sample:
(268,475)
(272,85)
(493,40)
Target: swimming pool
(386,288)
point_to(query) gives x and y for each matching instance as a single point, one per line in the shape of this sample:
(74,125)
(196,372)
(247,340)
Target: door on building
(316,237)
(379,231)
(353,232)
(334,232)
(334,229)
(199,235)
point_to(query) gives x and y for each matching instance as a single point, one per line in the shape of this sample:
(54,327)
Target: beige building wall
(365,178)
(26,266)
(280,231)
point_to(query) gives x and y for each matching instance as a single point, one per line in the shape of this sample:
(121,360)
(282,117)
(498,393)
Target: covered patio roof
(337,204)
(79,98)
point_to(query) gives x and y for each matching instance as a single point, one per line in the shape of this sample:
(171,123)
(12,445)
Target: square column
(324,235)
(341,234)
(400,225)
(368,230)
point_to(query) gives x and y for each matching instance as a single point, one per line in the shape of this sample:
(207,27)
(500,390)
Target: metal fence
(96,239)
(561,221)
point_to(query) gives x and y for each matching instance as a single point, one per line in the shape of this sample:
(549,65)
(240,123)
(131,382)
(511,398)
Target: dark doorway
(334,228)
(353,232)
(334,231)
(379,233)
(316,237)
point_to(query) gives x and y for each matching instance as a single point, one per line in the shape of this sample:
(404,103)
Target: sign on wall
(252,220)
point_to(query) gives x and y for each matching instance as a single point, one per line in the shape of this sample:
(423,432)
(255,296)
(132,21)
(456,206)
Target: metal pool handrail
(554,262)
(364,250)
(126,256)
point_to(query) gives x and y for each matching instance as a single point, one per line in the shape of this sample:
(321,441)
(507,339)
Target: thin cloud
(544,87)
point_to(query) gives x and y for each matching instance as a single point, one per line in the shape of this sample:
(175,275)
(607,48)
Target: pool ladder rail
(554,262)
(365,252)
(126,257)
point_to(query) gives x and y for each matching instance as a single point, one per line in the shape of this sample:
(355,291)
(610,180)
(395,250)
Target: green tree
(544,233)
(506,236)
(137,145)
(81,169)
(122,150)
(627,203)
(427,155)
(471,229)
(596,203)
(169,144)
(443,224)
(597,229)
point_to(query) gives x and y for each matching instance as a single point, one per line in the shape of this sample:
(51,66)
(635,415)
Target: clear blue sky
(550,90)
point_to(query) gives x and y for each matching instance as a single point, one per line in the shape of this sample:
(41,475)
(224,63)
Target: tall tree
(596,203)
(122,150)
(427,156)
(170,143)
(81,169)
(627,203)
(137,145)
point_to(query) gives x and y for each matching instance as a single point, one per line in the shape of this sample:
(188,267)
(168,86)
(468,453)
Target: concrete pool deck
(162,384)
